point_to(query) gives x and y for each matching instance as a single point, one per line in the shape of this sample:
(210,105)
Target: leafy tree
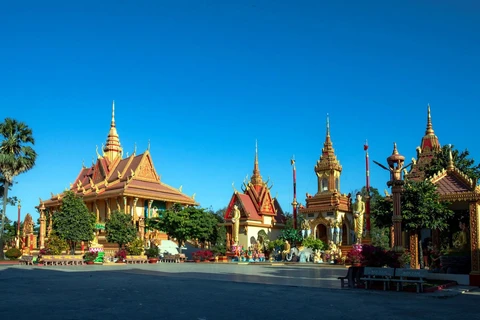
(119,229)
(421,208)
(16,157)
(203,224)
(460,160)
(315,244)
(55,244)
(74,223)
(291,235)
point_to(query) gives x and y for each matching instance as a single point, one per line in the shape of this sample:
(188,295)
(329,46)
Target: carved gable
(145,169)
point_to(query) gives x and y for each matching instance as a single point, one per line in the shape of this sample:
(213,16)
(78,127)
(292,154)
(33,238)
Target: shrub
(315,244)
(13,253)
(202,255)
(135,247)
(152,252)
(56,245)
(121,254)
(90,256)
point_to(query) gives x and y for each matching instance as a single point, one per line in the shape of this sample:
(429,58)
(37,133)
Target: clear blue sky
(203,79)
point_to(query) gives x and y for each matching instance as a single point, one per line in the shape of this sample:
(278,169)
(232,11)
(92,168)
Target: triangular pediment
(452,181)
(145,169)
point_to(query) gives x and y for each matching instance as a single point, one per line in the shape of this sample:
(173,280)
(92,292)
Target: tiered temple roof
(112,175)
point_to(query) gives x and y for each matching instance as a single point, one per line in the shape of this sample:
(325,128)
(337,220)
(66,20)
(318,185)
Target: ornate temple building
(258,210)
(328,212)
(458,189)
(127,184)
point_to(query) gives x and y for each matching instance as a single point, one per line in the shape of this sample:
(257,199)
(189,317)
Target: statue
(461,242)
(94,243)
(305,229)
(338,238)
(286,250)
(318,256)
(236,223)
(358,211)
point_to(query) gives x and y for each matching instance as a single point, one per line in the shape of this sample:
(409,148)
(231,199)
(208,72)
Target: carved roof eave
(459,174)
(463,196)
(315,209)
(324,166)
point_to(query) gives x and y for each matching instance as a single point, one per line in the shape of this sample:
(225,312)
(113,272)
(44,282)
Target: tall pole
(18,225)
(294,203)
(367,198)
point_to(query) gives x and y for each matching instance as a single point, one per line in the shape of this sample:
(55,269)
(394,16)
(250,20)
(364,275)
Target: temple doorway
(345,234)
(321,233)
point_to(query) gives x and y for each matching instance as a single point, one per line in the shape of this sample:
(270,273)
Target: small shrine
(462,192)
(113,182)
(328,214)
(253,213)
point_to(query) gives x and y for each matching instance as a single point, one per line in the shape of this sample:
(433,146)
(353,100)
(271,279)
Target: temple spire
(256,177)
(451,165)
(328,126)
(429,123)
(113,148)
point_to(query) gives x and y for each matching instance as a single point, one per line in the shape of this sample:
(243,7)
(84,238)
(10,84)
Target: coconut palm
(16,157)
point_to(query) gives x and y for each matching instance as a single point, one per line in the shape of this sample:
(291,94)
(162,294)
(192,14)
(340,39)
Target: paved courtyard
(209,291)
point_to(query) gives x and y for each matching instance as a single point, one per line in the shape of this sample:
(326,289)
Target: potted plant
(121,255)
(152,253)
(355,256)
(90,257)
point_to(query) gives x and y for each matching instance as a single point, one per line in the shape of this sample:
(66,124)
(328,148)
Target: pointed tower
(256,179)
(429,146)
(259,210)
(113,150)
(328,168)
(327,214)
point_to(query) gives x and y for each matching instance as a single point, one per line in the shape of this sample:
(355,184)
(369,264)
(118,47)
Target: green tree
(461,160)
(119,229)
(16,157)
(421,208)
(203,224)
(74,223)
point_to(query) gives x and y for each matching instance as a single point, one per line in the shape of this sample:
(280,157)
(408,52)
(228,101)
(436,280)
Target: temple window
(324,184)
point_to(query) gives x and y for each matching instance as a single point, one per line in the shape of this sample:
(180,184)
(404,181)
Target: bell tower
(328,168)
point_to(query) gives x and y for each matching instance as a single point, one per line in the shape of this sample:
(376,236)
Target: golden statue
(358,211)
(236,223)
(286,250)
(94,243)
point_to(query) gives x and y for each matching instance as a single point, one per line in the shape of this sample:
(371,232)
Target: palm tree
(16,157)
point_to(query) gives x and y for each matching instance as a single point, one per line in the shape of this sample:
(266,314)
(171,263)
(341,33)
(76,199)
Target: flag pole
(294,203)
(367,187)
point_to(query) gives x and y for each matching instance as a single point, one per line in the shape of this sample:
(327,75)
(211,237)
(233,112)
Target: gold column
(50,222)
(43,227)
(134,209)
(124,204)
(149,213)
(141,227)
(107,209)
(97,211)
(118,204)
(413,250)
(475,236)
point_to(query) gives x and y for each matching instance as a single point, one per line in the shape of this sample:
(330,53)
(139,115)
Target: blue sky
(202,80)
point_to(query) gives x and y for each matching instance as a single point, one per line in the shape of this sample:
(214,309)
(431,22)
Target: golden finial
(135,148)
(193,196)
(113,113)
(148,148)
(233,186)
(292,161)
(429,121)
(180,188)
(328,125)
(450,166)
(83,163)
(395,151)
(256,177)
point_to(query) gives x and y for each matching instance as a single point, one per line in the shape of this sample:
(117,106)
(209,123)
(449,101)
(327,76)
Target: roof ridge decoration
(256,179)
(328,160)
(113,148)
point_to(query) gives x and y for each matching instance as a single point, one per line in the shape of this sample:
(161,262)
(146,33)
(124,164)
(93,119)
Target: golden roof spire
(328,126)
(113,148)
(256,177)
(429,130)
(395,151)
(450,165)
(328,159)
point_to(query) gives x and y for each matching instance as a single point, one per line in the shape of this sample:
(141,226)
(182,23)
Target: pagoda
(258,210)
(328,208)
(130,185)
(455,187)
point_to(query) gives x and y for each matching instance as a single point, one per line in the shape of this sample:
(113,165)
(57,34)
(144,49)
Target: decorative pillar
(107,209)
(18,225)
(97,211)
(294,203)
(118,204)
(474,210)
(149,213)
(413,250)
(141,227)
(134,209)
(50,222)
(395,166)
(124,204)
(42,226)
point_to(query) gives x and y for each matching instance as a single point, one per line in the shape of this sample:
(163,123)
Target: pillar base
(474,279)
